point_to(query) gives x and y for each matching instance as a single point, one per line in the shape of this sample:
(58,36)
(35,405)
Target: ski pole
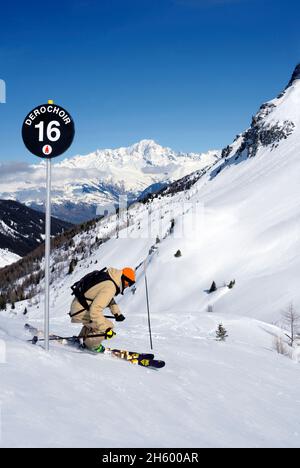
(36,339)
(148,306)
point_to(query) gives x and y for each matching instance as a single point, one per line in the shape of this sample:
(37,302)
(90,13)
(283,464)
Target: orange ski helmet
(128,276)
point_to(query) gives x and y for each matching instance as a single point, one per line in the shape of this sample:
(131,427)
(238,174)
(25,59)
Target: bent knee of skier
(93,343)
(92,338)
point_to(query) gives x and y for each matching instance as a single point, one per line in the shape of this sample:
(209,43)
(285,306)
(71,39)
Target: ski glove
(120,318)
(109,334)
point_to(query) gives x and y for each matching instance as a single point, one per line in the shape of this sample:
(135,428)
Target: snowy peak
(149,150)
(276,123)
(145,152)
(84,185)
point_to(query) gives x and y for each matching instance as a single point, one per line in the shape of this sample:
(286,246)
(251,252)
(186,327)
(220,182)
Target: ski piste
(141,359)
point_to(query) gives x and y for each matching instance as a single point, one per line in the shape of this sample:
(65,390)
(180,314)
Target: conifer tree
(221,333)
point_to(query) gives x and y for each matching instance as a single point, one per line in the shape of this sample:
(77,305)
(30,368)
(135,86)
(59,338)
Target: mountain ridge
(83,184)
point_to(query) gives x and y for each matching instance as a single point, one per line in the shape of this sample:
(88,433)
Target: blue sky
(187,73)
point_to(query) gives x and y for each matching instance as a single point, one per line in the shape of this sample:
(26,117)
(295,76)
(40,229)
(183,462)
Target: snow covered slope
(7,257)
(234,394)
(83,183)
(240,220)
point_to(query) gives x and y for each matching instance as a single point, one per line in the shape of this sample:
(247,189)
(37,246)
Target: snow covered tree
(213,287)
(280,346)
(221,333)
(291,319)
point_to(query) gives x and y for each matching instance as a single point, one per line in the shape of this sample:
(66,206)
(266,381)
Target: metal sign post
(47,255)
(48,131)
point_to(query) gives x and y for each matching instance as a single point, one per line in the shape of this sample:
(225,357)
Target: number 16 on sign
(48,131)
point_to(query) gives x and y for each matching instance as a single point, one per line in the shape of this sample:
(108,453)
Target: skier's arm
(101,301)
(114,308)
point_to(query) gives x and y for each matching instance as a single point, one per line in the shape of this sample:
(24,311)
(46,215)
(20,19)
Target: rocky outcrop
(261,134)
(295,76)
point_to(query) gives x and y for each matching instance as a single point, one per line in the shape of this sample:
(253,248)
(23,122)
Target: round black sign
(48,131)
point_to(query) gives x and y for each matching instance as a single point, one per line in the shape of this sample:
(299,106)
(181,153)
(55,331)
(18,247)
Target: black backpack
(87,282)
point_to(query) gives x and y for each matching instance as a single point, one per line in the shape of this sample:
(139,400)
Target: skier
(93,294)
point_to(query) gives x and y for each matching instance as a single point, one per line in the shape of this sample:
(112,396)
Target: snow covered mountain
(276,121)
(240,219)
(83,183)
(22,230)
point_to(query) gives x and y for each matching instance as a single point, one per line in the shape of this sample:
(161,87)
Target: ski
(151,363)
(141,359)
(127,355)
